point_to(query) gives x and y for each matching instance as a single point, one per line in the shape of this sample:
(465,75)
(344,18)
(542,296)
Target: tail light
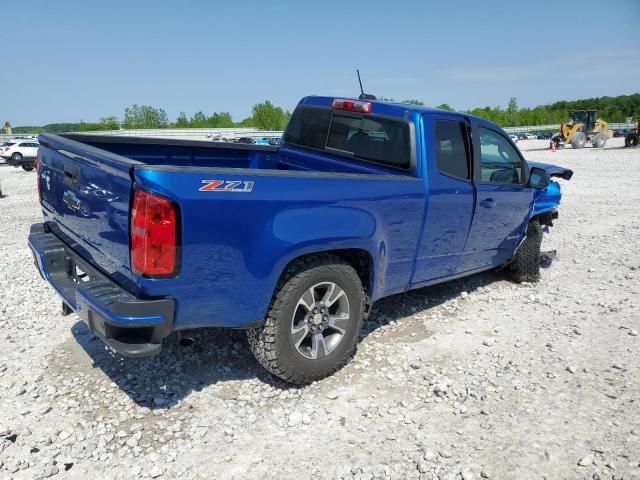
(352,105)
(38,176)
(154,235)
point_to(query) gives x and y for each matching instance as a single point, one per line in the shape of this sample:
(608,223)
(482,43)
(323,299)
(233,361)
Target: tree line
(267,116)
(264,116)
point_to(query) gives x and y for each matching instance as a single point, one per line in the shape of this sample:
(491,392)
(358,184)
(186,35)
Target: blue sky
(82,60)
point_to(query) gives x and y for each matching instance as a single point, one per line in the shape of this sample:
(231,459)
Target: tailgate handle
(72,175)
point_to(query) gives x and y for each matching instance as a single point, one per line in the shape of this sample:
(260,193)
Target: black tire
(16,157)
(631,140)
(27,168)
(272,343)
(526,263)
(557,139)
(578,140)
(600,140)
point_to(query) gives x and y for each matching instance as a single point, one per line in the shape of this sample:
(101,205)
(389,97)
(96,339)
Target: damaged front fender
(547,200)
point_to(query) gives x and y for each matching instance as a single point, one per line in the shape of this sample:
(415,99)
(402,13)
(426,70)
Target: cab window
(499,161)
(451,153)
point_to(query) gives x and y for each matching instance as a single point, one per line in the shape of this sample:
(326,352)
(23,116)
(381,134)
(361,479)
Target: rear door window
(372,138)
(451,152)
(365,137)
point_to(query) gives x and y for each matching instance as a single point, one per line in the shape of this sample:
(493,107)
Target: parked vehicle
(245,140)
(363,199)
(514,137)
(632,139)
(583,127)
(20,153)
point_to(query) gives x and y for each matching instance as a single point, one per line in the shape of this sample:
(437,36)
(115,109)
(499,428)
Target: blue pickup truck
(362,199)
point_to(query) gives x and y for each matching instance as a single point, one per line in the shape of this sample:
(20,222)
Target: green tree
(445,106)
(512,112)
(198,120)
(109,123)
(221,120)
(144,116)
(266,116)
(182,121)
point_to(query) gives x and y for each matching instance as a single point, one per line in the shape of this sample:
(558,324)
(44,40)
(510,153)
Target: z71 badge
(237,186)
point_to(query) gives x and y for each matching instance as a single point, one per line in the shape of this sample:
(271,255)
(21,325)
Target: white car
(20,153)
(16,150)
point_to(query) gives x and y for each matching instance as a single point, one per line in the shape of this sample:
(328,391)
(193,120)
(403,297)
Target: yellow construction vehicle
(633,138)
(583,127)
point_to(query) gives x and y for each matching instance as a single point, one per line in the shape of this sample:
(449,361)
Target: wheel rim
(320,320)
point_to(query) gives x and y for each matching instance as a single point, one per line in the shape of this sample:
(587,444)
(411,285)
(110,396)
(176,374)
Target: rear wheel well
(359,259)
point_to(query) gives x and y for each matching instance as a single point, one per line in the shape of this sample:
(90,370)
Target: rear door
(29,149)
(85,198)
(450,198)
(503,201)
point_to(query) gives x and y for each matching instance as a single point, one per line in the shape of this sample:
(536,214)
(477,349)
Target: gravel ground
(478,378)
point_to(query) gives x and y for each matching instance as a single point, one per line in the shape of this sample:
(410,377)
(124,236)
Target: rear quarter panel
(235,245)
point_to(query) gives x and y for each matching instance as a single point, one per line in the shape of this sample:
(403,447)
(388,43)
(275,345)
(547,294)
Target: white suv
(20,153)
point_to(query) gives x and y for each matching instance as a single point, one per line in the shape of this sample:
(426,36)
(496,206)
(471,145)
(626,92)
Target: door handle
(488,203)
(71,175)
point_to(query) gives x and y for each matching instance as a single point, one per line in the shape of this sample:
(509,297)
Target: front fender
(546,200)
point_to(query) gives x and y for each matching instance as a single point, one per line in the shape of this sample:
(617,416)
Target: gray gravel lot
(478,378)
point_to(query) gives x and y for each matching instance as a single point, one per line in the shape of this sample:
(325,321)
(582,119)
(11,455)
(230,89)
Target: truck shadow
(220,356)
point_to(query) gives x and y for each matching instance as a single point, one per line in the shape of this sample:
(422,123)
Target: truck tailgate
(85,197)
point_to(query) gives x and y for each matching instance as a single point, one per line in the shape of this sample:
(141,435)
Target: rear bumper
(130,326)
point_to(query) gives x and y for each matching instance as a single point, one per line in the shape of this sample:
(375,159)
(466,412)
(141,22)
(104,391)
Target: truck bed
(196,153)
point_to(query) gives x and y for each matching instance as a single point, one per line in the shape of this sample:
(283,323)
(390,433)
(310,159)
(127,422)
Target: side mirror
(538,178)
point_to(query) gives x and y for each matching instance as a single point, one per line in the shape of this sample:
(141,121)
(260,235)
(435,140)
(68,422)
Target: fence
(234,133)
(185,133)
(556,128)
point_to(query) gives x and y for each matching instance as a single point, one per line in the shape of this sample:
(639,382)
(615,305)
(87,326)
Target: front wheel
(27,168)
(312,327)
(16,157)
(631,140)
(578,140)
(526,263)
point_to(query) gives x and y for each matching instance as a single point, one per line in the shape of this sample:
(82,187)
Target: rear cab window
(370,138)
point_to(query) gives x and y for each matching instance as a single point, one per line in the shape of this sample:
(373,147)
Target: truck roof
(392,109)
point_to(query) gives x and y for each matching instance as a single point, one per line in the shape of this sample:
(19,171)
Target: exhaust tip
(185,341)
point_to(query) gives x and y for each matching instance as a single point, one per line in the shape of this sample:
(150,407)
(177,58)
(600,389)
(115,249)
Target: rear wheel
(526,264)
(578,140)
(27,168)
(600,140)
(312,327)
(631,140)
